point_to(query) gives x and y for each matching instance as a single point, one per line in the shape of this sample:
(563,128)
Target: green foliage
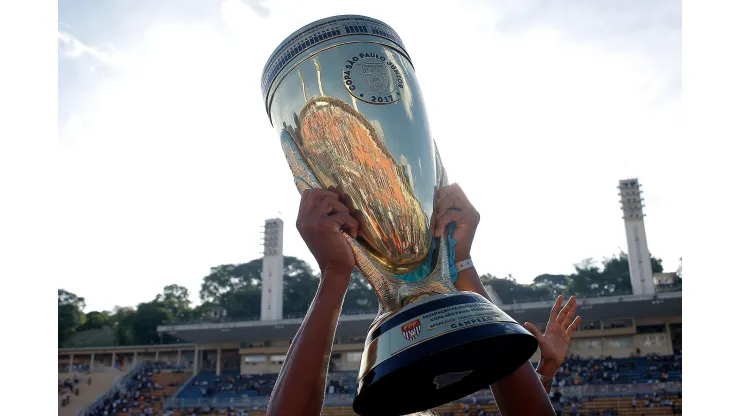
(145,321)
(95,320)
(657,264)
(237,288)
(70,315)
(509,290)
(102,337)
(360,296)
(122,319)
(611,277)
(175,299)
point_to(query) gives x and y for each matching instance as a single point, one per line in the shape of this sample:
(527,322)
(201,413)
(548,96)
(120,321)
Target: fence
(483,395)
(517,304)
(229,319)
(215,403)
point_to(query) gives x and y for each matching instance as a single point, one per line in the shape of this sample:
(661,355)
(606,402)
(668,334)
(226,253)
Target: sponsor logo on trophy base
(411,330)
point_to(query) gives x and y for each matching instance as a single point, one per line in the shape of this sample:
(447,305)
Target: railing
(180,389)
(516,304)
(669,288)
(346,399)
(229,319)
(620,389)
(220,402)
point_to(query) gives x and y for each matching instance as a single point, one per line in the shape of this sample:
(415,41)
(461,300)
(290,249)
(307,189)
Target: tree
(70,315)
(616,274)
(176,300)
(69,298)
(657,264)
(299,287)
(235,287)
(122,320)
(230,278)
(553,280)
(360,296)
(510,291)
(145,321)
(238,287)
(588,280)
(95,320)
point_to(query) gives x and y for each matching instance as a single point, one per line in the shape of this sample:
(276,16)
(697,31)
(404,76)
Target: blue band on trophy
(425,269)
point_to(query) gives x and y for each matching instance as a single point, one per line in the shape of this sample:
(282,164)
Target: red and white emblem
(411,330)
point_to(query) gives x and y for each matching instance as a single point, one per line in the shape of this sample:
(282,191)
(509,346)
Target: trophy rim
(305,38)
(380,332)
(462,351)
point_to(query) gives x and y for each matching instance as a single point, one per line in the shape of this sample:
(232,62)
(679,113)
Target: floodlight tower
(641,269)
(272,271)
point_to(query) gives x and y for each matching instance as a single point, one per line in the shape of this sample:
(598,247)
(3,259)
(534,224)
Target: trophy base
(436,351)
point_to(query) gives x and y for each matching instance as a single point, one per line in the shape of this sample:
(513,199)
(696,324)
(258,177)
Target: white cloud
(71,47)
(170,165)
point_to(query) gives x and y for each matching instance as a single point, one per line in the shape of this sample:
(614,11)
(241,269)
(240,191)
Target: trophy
(343,96)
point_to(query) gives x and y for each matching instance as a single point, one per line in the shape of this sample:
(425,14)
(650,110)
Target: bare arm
(301,384)
(521,392)
(300,387)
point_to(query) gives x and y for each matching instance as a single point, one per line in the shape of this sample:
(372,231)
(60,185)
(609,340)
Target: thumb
(533,329)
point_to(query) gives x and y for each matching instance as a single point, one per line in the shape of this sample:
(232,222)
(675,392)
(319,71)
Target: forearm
(546,381)
(546,374)
(302,381)
(519,393)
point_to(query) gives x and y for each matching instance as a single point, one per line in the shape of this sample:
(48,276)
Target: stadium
(604,373)
(624,358)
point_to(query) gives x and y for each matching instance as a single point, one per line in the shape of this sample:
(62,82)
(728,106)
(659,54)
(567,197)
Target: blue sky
(170,166)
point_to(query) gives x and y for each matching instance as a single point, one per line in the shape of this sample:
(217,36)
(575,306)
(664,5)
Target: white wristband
(465,264)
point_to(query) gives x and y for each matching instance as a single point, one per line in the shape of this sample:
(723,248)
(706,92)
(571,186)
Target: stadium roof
(662,305)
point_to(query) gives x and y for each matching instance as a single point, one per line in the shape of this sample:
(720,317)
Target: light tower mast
(641,268)
(272,271)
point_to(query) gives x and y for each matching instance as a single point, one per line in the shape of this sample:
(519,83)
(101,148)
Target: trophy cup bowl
(343,96)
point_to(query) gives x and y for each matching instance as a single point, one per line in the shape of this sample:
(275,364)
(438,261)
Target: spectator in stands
(323,215)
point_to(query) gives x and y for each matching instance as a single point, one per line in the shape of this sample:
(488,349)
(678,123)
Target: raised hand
(556,339)
(322,218)
(451,205)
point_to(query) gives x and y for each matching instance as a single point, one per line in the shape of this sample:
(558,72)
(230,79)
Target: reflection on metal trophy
(343,96)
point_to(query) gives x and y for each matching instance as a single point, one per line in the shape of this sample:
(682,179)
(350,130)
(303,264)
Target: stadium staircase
(171,381)
(101,382)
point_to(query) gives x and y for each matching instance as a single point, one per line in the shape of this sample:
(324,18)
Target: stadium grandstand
(624,359)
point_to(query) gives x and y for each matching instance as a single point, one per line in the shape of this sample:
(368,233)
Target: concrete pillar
(195,360)
(179,356)
(71,361)
(669,336)
(135,358)
(218,361)
(156,355)
(113,361)
(92,361)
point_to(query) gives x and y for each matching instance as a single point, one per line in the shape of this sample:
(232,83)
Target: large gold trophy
(343,96)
